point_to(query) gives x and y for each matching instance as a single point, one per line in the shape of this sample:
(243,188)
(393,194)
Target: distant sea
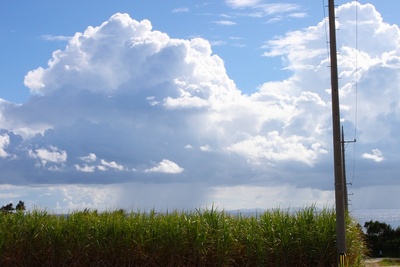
(388,216)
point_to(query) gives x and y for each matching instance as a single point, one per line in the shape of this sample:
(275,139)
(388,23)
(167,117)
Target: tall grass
(196,238)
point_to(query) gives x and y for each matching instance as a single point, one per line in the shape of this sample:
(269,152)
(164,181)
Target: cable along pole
(337,154)
(345,183)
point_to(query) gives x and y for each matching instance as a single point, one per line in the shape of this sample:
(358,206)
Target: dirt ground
(374,263)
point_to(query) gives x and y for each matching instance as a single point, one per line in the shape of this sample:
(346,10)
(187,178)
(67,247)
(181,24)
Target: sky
(187,104)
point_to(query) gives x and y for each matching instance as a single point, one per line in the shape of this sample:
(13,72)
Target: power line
(326,29)
(325,19)
(356,90)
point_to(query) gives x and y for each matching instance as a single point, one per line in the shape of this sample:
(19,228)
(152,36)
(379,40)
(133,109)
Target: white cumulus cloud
(85,168)
(91,157)
(122,94)
(92,163)
(166,166)
(376,155)
(112,165)
(51,154)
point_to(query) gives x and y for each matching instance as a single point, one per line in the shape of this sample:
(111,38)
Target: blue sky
(179,19)
(181,104)
(26,28)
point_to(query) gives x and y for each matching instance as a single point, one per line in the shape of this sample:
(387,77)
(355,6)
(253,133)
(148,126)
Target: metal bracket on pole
(342,260)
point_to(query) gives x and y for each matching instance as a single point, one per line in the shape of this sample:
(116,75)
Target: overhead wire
(356,73)
(325,19)
(326,29)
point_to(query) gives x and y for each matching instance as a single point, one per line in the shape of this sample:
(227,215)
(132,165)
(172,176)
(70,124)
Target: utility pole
(346,197)
(346,194)
(337,155)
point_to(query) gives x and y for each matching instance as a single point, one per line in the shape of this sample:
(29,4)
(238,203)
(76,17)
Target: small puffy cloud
(91,157)
(97,164)
(166,166)
(112,165)
(85,168)
(51,154)
(205,148)
(376,155)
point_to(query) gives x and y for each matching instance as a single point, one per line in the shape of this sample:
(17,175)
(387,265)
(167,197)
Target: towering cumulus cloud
(160,122)
(127,94)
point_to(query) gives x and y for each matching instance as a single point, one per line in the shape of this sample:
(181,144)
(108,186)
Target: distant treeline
(197,238)
(382,240)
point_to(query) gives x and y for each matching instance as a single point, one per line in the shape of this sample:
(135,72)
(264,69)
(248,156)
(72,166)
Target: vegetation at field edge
(197,238)
(382,240)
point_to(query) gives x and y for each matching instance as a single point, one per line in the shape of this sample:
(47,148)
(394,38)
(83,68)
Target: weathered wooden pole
(337,155)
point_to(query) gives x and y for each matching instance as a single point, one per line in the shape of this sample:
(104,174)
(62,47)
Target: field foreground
(198,238)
